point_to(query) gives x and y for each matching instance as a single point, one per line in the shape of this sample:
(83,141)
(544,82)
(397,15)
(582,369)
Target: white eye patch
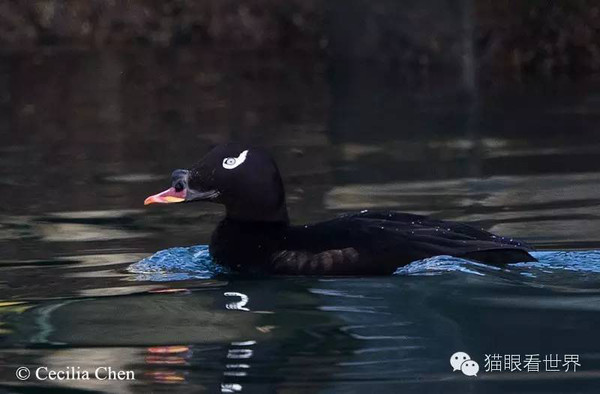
(229,163)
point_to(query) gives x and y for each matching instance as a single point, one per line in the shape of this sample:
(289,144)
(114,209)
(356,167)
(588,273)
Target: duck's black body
(256,236)
(368,243)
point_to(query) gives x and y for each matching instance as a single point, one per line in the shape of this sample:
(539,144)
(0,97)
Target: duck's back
(377,243)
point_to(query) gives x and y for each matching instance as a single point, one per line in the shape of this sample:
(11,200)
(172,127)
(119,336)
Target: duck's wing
(379,242)
(424,225)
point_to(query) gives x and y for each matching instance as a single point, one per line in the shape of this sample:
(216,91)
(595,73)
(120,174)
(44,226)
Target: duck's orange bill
(169,196)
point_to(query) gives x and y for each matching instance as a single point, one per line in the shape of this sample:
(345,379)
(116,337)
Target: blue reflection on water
(180,263)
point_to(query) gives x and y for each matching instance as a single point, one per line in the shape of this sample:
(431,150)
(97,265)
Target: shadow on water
(88,136)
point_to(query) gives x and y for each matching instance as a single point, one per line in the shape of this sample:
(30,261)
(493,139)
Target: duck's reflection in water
(167,356)
(239,353)
(239,305)
(176,360)
(239,357)
(232,336)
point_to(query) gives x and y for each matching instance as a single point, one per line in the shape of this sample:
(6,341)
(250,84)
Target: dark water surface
(86,137)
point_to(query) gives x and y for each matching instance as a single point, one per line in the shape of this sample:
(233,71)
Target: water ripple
(549,262)
(194,262)
(179,263)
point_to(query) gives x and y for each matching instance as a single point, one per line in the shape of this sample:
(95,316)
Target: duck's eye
(229,163)
(179,186)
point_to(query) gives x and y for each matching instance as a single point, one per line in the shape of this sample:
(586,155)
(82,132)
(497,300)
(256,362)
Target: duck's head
(244,179)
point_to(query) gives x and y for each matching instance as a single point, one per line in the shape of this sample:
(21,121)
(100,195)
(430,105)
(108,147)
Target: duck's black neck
(245,243)
(259,214)
(264,203)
